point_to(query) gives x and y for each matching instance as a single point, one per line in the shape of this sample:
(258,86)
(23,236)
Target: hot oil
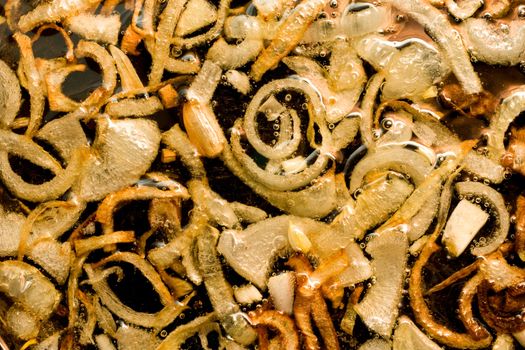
(230,105)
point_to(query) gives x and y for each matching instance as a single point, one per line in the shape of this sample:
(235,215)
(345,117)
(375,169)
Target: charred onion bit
(503,321)
(309,304)
(483,104)
(519,243)
(280,322)
(424,315)
(514,157)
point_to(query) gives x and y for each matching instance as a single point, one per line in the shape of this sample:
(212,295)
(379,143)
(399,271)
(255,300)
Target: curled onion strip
(63,180)
(177,337)
(54,11)
(288,35)
(412,164)
(161,48)
(107,66)
(424,315)
(148,9)
(475,329)
(367,107)
(110,204)
(304,202)
(509,109)
(210,35)
(70,53)
(156,320)
(54,80)
(34,82)
(145,268)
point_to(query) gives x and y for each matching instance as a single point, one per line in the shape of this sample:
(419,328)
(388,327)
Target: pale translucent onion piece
(462,226)
(54,257)
(22,323)
(234,56)
(197,14)
(408,336)
(10,226)
(401,160)
(134,107)
(439,28)
(122,151)
(131,338)
(495,42)
(413,70)
(10,95)
(503,342)
(376,344)
(380,306)
(239,81)
(282,288)
(341,87)
(104,29)
(367,20)
(463,9)
(29,288)
(65,134)
(378,200)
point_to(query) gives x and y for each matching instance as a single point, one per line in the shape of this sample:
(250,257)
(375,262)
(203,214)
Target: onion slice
(34,82)
(508,110)
(401,160)
(54,11)
(104,29)
(288,35)
(463,9)
(379,308)
(219,291)
(107,297)
(439,28)
(197,14)
(489,42)
(10,95)
(408,336)
(161,45)
(133,107)
(123,150)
